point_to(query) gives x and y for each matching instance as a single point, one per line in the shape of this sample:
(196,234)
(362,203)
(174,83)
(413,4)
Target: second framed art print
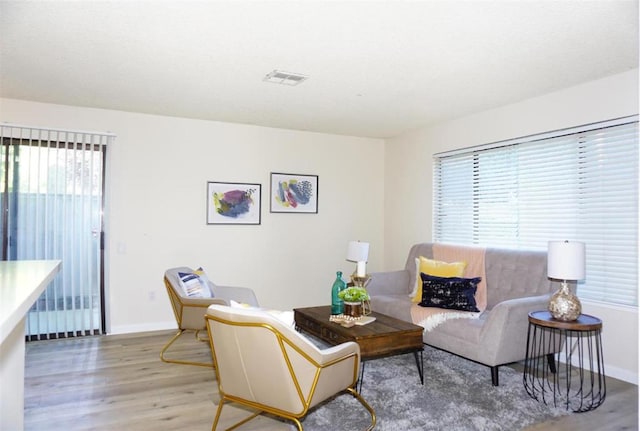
(294,193)
(233,203)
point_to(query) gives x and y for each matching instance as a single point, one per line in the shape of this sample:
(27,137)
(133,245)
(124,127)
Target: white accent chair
(189,312)
(264,364)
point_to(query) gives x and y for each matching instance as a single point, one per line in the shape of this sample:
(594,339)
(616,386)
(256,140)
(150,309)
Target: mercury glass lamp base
(564,305)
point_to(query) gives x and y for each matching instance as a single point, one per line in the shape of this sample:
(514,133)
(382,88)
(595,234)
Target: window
(579,184)
(51,195)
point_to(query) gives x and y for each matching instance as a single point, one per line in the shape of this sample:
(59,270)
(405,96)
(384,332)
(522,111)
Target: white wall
(408,180)
(158,170)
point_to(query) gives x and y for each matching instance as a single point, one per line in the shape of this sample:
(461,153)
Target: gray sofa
(517,283)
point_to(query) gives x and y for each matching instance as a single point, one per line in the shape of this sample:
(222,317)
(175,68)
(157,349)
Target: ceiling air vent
(284,78)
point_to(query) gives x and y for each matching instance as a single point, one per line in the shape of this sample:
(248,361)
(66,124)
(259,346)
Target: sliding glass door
(52,200)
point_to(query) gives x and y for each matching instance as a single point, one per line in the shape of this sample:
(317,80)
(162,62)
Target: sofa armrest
(238,294)
(389,283)
(505,331)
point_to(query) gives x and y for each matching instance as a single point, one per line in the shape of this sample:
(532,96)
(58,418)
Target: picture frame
(294,193)
(233,203)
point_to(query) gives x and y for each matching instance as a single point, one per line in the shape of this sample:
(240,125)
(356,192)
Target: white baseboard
(144,327)
(621,374)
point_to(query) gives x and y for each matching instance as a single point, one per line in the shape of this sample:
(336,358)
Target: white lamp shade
(566,260)
(358,251)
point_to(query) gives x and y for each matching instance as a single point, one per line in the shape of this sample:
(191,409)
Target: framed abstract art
(294,193)
(233,203)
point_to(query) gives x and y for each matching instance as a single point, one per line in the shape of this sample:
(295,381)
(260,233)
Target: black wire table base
(564,365)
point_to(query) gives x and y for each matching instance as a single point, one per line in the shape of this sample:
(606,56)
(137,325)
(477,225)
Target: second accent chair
(264,364)
(189,311)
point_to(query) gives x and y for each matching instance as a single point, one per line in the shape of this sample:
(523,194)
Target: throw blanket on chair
(430,317)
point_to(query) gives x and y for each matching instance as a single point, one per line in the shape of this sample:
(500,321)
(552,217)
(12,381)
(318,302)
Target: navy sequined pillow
(452,293)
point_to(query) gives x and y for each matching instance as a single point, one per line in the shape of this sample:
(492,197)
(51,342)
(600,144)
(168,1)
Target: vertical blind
(51,192)
(579,184)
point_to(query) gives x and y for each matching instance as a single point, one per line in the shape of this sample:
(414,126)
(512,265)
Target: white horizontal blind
(580,185)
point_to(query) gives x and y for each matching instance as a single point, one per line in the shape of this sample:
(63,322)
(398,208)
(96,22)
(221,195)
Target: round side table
(564,365)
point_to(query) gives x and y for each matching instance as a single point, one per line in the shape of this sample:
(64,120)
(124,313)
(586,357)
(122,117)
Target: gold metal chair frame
(294,417)
(178,306)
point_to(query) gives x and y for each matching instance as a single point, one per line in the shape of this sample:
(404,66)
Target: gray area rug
(457,395)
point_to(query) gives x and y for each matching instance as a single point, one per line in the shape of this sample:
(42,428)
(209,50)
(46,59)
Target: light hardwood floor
(119,383)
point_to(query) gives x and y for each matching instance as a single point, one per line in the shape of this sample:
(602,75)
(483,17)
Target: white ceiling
(376,68)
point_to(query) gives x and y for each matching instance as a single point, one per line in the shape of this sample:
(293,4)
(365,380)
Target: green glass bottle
(337,305)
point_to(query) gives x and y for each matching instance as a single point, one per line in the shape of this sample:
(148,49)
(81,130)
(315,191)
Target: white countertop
(21,283)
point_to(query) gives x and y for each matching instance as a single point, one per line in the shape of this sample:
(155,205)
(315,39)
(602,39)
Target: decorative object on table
(565,262)
(294,193)
(359,252)
(356,301)
(350,321)
(337,305)
(233,203)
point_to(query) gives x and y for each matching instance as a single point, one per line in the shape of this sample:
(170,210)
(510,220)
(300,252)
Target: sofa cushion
(462,337)
(398,306)
(452,293)
(515,274)
(436,268)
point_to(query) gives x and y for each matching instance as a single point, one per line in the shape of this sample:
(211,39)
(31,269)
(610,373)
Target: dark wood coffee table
(386,336)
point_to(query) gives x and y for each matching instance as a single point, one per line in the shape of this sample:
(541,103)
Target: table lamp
(565,262)
(359,252)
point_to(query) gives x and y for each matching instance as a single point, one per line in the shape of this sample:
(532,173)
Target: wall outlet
(121,248)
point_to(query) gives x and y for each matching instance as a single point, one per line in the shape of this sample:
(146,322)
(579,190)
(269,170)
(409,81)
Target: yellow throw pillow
(436,268)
